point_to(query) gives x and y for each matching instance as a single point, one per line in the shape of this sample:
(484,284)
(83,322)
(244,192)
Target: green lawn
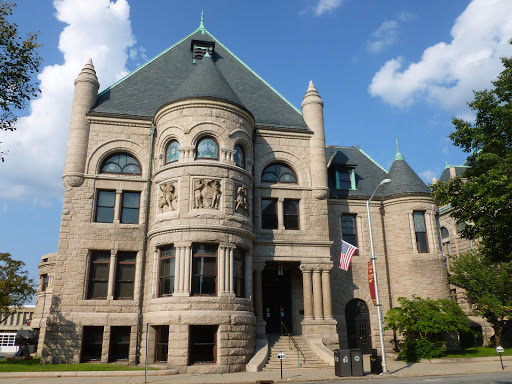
(35,366)
(480,352)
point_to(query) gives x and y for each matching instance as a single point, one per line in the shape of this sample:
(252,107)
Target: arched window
(239,156)
(121,163)
(278,173)
(357,318)
(172,152)
(207,148)
(445,234)
(460,226)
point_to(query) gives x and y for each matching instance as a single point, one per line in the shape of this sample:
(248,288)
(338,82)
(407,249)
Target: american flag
(347,251)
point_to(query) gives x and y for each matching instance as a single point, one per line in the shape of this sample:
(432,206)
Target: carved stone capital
(72,181)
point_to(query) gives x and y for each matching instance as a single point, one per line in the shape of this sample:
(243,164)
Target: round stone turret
(313,113)
(86,93)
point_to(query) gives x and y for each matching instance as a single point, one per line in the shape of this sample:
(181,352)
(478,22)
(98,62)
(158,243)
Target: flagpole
(374,266)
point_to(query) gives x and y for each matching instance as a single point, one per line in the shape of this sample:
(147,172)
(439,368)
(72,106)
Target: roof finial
(201,25)
(398,155)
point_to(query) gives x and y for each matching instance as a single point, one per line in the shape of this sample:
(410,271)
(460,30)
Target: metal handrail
(295,344)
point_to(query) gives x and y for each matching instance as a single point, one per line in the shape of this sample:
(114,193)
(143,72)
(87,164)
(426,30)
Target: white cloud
(97,29)
(387,33)
(447,73)
(325,6)
(429,174)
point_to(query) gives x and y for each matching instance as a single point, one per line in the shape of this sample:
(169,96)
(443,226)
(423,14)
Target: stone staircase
(277,344)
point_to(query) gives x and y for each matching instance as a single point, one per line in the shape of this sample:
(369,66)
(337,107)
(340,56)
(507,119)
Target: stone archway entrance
(358,326)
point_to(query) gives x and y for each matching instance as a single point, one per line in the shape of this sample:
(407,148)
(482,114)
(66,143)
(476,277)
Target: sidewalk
(396,369)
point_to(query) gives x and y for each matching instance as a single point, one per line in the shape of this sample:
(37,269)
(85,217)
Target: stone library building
(202,218)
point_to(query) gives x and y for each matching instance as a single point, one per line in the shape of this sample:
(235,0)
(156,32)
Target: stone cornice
(201,228)
(293,243)
(285,133)
(125,121)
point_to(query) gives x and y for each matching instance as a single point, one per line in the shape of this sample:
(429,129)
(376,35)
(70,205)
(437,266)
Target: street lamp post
(377,297)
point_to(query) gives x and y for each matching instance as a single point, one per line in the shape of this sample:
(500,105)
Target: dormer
(199,49)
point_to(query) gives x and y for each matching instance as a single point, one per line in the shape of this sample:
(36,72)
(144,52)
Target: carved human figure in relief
(168,198)
(198,197)
(207,193)
(241,204)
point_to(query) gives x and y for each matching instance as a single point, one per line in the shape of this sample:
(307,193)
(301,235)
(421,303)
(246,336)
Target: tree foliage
(425,325)
(16,288)
(482,196)
(488,285)
(19,62)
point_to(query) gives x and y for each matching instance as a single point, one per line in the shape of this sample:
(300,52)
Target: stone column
(221,268)
(112,274)
(177,262)
(317,295)
(307,289)
(280,214)
(117,207)
(326,293)
(230,280)
(187,260)
(138,274)
(156,278)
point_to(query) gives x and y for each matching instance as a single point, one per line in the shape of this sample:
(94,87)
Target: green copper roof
(398,155)
(146,89)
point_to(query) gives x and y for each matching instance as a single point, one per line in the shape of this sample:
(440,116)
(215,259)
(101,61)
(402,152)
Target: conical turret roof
(403,179)
(206,81)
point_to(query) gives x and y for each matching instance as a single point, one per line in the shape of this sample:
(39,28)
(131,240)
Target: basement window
(92,342)
(203,344)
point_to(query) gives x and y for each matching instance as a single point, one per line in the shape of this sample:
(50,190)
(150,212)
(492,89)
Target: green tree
(488,285)
(16,288)
(482,196)
(425,325)
(19,61)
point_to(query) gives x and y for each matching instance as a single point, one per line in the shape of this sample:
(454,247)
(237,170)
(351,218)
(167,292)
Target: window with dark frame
(125,275)
(269,214)
(105,206)
(204,269)
(130,208)
(167,272)
(239,272)
(98,275)
(421,231)
(349,230)
(203,344)
(161,343)
(291,214)
(119,343)
(92,343)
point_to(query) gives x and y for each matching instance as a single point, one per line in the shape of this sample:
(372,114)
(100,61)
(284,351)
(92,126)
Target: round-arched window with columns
(123,163)
(278,173)
(172,152)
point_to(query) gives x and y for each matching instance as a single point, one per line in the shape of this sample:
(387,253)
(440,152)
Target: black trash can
(375,363)
(342,366)
(356,358)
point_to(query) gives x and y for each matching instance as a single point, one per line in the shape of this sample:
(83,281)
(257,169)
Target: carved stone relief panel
(207,193)
(241,202)
(168,200)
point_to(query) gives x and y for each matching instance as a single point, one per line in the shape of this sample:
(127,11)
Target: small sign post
(500,350)
(281,356)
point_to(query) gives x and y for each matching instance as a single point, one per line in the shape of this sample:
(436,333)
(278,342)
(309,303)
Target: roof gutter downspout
(144,248)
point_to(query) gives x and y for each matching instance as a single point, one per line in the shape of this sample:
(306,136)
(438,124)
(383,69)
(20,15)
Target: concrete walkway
(396,369)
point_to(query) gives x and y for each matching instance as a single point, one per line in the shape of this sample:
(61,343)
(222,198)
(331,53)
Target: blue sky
(386,70)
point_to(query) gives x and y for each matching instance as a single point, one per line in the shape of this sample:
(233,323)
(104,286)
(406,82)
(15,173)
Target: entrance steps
(277,344)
